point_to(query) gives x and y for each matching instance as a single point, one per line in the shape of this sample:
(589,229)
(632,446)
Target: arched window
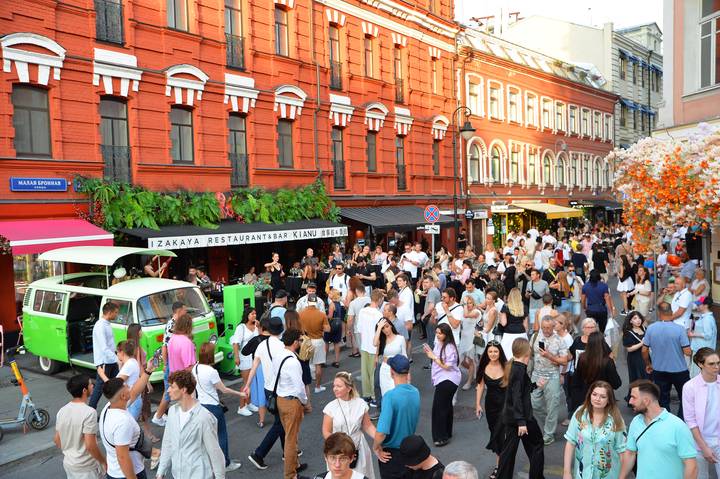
(560,173)
(474,164)
(532,164)
(585,180)
(547,170)
(573,172)
(514,166)
(495,164)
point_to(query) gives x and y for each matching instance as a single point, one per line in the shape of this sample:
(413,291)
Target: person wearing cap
(398,419)
(703,333)
(315,322)
(279,306)
(302,302)
(414,454)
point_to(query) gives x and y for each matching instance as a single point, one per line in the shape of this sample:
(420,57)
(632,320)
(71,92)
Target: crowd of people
(532,326)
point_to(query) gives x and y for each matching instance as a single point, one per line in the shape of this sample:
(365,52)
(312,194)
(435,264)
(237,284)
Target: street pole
(455,179)
(650,52)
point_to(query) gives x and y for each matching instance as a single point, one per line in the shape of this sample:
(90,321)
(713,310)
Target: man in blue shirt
(665,346)
(398,419)
(104,356)
(661,443)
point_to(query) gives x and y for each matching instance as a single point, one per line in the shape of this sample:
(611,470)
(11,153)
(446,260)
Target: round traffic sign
(432,213)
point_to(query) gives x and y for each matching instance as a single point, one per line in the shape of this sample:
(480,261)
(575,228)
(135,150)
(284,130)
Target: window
(623,115)
(532,165)
(371,150)
(114,133)
(642,121)
(234,42)
(281,32)
(434,75)
(573,171)
(436,157)
(515,164)
(125,314)
(642,76)
(335,62)
(597,132)
(585,122)
(50,302)
(369,57)
(398,73)
(432,6)
(31,120)
(181,134)
(710,43)
(635,119)
(109,21)
(607,128)
(475,97)
(547,116)
(560,173)
(596,174)
(474,164)
(514,105)
(495,108)
(285,143)
(607,176)
(572,113)
(177,14)
(338,158)
(585,180)
(547,171)
(531,109)
(623,66)
(237,150)
(634,72)
(400,162)
(495,164)
(560,119)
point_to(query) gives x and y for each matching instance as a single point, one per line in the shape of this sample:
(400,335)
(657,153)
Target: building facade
(629,62)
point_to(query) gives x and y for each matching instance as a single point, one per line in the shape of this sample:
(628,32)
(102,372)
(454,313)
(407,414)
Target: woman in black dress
(489,376)
(593,365)
(633,333)
(276,273)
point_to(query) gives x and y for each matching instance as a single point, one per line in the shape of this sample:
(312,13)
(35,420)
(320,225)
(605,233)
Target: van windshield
(156,308)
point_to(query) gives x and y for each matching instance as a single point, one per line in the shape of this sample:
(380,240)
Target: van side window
(50,302)
(125,314)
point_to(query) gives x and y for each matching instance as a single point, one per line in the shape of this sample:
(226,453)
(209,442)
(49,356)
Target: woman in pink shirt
(181,350)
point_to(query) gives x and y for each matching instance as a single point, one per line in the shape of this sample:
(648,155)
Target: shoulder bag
(141,445)
(271,400)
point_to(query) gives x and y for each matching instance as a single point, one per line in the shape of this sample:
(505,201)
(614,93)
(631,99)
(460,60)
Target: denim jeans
(111,370)
(666,381)
(274,433)
(221,429)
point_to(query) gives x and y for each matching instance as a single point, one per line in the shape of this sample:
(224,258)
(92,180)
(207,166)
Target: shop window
(31,120)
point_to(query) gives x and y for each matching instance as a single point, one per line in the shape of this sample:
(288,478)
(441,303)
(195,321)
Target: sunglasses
(493,343)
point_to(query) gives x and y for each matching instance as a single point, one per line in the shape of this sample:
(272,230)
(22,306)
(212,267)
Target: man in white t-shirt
(76,428)
(302,303)
(340,281)
(367,318)
(352,330)
(682,303)
(548,238)
(450,312)
(409,261)
(421,257)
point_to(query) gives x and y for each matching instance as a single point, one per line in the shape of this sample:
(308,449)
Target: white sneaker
(252,407)
(232,466)
(159,421)
(244,411)
(320,389)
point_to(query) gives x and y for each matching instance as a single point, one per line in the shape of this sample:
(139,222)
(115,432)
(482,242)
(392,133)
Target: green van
(59,312)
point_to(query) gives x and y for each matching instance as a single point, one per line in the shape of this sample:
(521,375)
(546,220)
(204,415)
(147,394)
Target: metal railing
(336,75)
(109,21)
(239,163)
(399,91)
(235,48)
(401,178)
(117,162)
(339,174)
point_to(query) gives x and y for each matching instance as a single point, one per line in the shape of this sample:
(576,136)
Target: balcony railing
(239,164)
(235,47)
(399,91)
(117,162)
(336,75)
(339,174)
(109,21)
(401,178)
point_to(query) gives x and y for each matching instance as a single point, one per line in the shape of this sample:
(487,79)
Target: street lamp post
(466,131)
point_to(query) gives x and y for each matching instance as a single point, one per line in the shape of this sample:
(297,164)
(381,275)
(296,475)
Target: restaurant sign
(229,239)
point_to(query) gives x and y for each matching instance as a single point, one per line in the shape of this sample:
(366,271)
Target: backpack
(266,314)
(307,350)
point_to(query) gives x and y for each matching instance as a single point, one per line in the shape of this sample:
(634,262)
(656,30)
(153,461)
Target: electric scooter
(28,415)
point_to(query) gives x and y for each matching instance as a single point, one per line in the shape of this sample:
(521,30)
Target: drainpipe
(650,52)
(316,110)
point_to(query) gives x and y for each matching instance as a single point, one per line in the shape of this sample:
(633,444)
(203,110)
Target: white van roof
(99,255)
(130,289)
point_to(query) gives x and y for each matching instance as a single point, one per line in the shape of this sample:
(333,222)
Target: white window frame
(532,151)
(513,90)
(597,131)
(551,125)
(561,107)
(518,147)
(492,84)
(574,129)
(531,98)
(585,132)
(714,32)
(608,128)
(481,94)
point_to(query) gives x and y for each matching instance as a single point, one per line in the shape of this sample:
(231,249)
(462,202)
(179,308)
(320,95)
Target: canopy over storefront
(384,219)
(551,211)
(38,236)
(607,204)
(231,233)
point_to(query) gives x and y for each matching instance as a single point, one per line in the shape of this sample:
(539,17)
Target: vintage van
(59,312)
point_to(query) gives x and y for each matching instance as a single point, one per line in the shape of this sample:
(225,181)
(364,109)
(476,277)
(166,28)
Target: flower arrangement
(665,182)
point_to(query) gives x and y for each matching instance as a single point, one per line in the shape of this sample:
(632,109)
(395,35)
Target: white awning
(99,255)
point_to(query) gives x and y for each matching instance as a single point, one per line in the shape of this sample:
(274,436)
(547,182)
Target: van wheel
(49,366)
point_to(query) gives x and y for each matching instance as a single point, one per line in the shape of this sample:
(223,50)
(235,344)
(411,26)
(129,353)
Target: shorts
(335,334)
(94,472)
(319,354)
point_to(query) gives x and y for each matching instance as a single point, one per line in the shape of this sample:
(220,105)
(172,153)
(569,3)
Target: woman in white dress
(244,332)
(348,413)
(642,292)
(388,343)
(340,452)
(490,253)
(466,349)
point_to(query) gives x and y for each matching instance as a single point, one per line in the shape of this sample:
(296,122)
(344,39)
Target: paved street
(470,435)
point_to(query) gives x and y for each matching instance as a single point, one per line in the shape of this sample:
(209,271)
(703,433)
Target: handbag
(479,341)
(271,399)
(141,445)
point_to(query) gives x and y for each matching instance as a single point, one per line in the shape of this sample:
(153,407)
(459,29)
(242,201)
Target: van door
(124,318)
(45,325)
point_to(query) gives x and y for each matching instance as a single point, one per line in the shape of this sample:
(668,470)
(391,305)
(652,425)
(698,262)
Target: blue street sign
(38,184)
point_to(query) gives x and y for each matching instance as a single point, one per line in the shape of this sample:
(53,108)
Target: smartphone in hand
(541,344)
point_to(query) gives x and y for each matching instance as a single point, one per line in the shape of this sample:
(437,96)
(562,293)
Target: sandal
(336,364)
(260,424)
(354,355)
(493,475)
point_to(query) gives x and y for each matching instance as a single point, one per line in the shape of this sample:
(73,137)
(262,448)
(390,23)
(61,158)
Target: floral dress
(597,450)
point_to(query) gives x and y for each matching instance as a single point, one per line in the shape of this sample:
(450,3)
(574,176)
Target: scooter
(28,415)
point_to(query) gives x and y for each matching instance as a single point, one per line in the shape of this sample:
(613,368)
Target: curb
(37,456)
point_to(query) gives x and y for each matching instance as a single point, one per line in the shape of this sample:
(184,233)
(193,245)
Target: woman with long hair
(388,343)
(625,281)
(443,257)
(563,291)
(446,379)
(596,436)
(491,326)
(518,422)
(491,369)
(181,350)
(466,348)
(642,292)
(633,334)
(276,273)
(513,321)
(336,316)
(593,365)
(348,413)
(134,332)
(244,332)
